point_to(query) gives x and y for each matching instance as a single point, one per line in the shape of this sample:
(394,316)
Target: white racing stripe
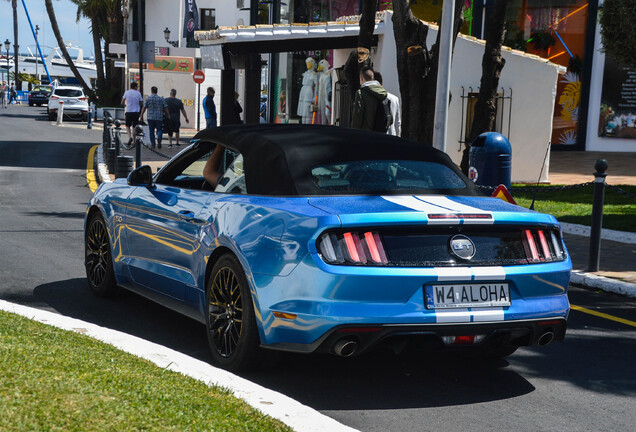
(488,273)
(452,315)
(487,314)
(446,274)
(435,204)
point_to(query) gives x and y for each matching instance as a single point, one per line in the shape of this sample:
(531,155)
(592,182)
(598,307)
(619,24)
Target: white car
(75,102)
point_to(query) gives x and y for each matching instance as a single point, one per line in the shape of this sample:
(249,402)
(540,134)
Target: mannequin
(307,95)
(324,93)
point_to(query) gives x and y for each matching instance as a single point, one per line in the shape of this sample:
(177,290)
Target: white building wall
(533,81)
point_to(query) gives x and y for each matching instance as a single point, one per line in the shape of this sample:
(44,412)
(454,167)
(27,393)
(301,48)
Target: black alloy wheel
(231,323)
(98,259)
(225,307)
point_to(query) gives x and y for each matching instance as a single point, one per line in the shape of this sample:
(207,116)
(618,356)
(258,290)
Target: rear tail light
(541,246)
(54,97)
(352,247)
(83,98)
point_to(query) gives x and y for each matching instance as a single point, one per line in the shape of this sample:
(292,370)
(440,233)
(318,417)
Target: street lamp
(7,45)
(37,28)
(166,34)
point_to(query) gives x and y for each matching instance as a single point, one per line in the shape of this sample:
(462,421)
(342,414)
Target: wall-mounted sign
(119,63)
(162,51)
(172,64)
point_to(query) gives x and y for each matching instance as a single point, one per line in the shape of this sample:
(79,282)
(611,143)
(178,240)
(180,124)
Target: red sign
(502,193)
(198,76)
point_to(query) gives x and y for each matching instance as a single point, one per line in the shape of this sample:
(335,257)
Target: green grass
(575,206)
(55,380)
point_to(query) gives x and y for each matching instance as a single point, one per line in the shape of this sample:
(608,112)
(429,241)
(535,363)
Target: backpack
(383,118)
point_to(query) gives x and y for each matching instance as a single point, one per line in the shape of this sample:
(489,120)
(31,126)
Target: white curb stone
(299,417)
(606,234)
(591,280)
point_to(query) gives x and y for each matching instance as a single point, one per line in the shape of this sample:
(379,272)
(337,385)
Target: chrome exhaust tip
(345,347)
(545,338)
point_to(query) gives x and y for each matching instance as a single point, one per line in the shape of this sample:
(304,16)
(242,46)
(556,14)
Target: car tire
(30,103)
(98,259)
(230,320)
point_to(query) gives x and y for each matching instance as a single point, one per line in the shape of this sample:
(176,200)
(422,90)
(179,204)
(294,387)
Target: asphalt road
(586,383)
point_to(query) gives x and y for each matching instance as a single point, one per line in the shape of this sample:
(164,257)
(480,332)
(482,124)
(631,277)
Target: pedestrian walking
(367,104)
(238,109)
(209,108)
(13,94)
(3,94)
(156,107)
(133,101)
(175,108)
(396,127)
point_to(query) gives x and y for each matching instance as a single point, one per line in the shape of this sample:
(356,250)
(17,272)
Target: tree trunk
(16,47)
(417,70)
(491,66)
(99,61)
(365,40)
(115,35)
(56,30)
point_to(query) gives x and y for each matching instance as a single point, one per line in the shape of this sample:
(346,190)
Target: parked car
(334,240)
(75,102)
(40,94)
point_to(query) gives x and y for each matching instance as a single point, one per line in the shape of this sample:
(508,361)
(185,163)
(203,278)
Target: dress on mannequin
(324,93)
(307,95)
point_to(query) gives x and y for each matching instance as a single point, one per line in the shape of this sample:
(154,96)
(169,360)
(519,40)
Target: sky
(65,12)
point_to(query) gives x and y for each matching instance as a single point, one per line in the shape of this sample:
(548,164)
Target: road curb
(606,234)
(102,169)
(289,411)
(591,280)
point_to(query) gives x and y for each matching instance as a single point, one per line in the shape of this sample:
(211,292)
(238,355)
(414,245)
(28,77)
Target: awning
(263,39)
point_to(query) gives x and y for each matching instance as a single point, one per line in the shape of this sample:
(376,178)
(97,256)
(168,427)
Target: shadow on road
(375,381)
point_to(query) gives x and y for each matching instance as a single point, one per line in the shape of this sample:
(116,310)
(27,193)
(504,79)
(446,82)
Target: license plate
(70,102)
(467,295)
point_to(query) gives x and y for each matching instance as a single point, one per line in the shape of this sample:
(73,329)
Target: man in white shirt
(133,101)
(396,126)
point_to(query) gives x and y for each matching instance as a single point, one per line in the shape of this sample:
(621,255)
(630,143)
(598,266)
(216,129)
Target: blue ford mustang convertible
(324,239)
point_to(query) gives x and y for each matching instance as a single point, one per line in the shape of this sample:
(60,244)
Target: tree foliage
(617,30)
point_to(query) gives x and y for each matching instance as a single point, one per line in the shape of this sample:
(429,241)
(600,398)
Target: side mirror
(141,176)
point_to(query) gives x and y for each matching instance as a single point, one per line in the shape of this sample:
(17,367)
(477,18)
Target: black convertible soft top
(278,159)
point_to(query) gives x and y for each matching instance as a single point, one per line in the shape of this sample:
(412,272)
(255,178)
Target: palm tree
(14,5)
(58,36)
(92,9)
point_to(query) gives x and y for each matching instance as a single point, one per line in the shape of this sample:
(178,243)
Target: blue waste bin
(490,160)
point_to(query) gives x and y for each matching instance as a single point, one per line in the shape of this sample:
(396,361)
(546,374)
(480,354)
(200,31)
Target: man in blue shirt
(156,107)
(209,108)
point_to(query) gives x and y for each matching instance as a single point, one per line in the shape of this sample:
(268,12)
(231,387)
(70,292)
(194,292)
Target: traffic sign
(198,76)
(502,193)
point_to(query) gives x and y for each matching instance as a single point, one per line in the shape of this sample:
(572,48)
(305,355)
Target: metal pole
(198,107)
(443,75)
(597,215)
(180,22)
(140,33)
(37,44)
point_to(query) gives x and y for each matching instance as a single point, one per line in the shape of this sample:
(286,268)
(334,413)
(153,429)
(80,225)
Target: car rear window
(68,93)
(43,89)
(385,176)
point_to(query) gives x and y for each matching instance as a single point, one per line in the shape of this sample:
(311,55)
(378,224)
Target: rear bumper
(431,336)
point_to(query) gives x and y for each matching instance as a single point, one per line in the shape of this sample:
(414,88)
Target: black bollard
(597,215)
(139,133)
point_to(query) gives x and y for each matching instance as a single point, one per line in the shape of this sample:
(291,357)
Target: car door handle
(186,215)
